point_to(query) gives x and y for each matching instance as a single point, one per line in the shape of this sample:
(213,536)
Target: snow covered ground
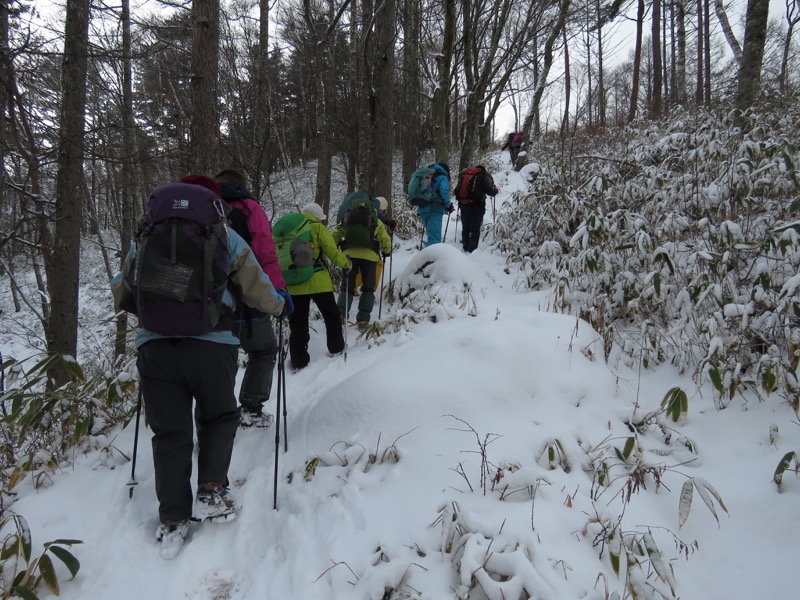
(420,467)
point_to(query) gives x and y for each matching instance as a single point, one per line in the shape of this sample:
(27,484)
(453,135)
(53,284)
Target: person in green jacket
(319,289)
(363,253)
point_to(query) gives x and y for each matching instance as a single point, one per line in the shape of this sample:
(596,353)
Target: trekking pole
(455,235)
(282,373)
(132,483)
(494,210)
(383,274)
(346,308)
(444,237)
(280,391)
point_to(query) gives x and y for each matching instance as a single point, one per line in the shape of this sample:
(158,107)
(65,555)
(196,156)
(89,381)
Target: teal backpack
(419,186)
(359,221)
(296,254)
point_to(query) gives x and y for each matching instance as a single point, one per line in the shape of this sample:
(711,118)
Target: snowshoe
(170,537)
(255,418)
(214,502)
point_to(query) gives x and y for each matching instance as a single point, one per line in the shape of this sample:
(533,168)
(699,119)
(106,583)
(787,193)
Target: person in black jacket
(473,207)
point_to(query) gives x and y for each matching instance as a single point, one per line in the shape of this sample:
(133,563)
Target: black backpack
(178,277)
(237,219)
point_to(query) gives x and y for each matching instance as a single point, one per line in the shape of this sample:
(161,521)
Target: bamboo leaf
(24,537)
(48,574)
(10,547)
(615,551)
(629,444)
(655,559)
(785,464)
(712,491)
(706,496)
(685,502)
(716,378)
(66,557)
(23,592)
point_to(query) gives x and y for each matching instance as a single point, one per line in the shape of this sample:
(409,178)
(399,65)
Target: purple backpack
(180,271)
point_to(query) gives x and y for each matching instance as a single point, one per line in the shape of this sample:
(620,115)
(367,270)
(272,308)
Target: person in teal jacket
(431,214)
(365,261)
(319,289)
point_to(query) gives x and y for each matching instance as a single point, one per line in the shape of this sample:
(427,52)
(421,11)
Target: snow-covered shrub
(42,426)
(678,242)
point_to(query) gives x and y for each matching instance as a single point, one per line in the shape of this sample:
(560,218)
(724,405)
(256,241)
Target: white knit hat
(315,210)
(382,202)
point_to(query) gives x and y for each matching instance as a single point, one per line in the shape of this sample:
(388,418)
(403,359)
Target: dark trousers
(174,372)
(471,221)
(298,326)
(369,281)
(257,337)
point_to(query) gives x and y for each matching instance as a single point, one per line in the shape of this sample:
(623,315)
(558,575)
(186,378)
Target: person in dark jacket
(177,372)
(254,328)
(473,208)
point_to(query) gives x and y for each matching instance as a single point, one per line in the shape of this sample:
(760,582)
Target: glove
(451,208)
(288,304)
(392,223)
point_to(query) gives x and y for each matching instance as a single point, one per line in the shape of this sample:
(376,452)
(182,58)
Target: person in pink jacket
(254,328)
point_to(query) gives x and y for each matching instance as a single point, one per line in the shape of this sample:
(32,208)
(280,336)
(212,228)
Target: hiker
(364,239)
(254,328)
(431,214)
(382,204)
(474,184)
(509,139)
(318,288)
(514,142)
(186,354)
(517,142)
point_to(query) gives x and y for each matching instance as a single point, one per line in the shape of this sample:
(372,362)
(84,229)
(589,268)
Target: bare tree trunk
(601,89)
(567,86)
(547,63)
(128,192)
(792,19)
(263,114)
(323,76)
(755,37)
(441,95)
(726,29)
(637,62)
(205,65)
(698,95)
(5,59)
(655,33)
(63,281)
(411,89)
(382,101)
(680,62)
(707,55)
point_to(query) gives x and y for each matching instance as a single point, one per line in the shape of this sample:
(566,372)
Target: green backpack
(359,222)
(296,255)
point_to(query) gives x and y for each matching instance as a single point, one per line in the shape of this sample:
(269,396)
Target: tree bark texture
(63,272)
(204,128)
(755,37)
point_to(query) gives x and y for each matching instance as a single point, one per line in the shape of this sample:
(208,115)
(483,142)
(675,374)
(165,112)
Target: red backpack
(466,192)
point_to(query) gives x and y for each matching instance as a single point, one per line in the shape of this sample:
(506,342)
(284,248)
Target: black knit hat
(231,176)
(445,166)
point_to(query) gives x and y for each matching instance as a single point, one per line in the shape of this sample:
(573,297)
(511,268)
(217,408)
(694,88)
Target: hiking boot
(214,502)
(170,537)
(253,417)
